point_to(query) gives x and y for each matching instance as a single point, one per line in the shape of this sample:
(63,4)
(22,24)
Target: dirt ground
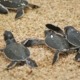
(32,25)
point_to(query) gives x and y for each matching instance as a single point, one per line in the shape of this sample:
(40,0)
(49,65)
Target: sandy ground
(32,25)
